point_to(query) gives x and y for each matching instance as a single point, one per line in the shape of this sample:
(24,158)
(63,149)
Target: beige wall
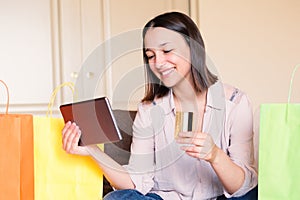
(255,45)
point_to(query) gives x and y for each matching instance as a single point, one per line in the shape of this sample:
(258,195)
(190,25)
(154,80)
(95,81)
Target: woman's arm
(113,171)
(231,175)
(116,175)
(235,168)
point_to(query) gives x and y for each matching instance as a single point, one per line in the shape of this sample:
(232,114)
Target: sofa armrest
(120,151)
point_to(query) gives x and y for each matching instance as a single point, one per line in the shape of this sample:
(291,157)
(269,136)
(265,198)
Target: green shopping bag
(279,151)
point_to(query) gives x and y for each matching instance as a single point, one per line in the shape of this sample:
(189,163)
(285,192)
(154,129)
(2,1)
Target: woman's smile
(165,73)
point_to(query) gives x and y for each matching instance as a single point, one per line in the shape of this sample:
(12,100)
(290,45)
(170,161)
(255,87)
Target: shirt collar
(215,96)
(215,99)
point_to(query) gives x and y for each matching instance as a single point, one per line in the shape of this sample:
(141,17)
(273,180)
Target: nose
(160,60)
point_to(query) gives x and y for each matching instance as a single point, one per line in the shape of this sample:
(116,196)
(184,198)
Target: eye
(150,56)
(167,51)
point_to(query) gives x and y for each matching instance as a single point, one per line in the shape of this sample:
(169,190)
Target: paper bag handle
(54,93)
(290,92)
(7,103)
(291,82)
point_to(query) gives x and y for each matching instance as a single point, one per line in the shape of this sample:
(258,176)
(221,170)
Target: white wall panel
(26,53)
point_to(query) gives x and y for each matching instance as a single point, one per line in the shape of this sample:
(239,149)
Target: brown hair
(184,25)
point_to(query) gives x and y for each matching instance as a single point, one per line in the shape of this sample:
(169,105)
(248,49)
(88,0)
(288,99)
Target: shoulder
(150,115)
(162,102)
(150,108)
(143,110)
(234,94)
(238,104)
(145,105)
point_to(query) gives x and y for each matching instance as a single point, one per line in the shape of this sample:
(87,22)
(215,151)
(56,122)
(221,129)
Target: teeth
(167,71)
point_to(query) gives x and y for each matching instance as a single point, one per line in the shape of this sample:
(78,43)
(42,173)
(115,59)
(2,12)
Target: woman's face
(168,56)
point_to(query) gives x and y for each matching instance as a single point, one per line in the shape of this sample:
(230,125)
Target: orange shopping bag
(59,175)
(16,155)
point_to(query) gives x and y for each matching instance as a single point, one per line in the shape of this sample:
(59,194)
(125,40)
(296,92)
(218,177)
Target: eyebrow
(161,45)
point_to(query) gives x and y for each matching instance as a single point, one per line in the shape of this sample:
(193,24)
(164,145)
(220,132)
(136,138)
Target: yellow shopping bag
(59,175)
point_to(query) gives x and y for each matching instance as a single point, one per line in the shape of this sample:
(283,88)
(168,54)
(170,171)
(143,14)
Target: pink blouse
(158,165)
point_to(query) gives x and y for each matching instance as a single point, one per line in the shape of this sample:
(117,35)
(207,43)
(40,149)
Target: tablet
(95,120)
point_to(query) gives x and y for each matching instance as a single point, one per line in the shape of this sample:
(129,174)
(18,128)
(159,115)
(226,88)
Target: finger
(66,130)
(192,134)
(68,133)
(184,140)
(187,134)
(203,143)
(67,125)
(76,138)
(197,139)
(197,155)
(200,135)
(70,142)
(191,148)
(201,148)
(200,139)
(195,151)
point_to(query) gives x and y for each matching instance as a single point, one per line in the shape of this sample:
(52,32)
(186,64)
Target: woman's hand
(70,138)
(199,145)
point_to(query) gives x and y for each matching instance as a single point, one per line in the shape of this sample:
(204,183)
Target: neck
(189,100)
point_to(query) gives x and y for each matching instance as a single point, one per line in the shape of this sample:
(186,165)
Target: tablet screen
(95,120)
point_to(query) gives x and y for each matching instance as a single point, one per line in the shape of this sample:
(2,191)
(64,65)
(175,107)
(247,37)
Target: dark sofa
(120,151)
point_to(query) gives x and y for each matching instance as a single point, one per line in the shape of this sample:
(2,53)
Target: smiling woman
(212,160)
(176,36)
(166,51)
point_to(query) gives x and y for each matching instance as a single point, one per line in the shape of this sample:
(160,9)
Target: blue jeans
(251,195)
(130,195)
(136,195)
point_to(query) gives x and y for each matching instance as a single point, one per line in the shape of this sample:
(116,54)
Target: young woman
(215,159)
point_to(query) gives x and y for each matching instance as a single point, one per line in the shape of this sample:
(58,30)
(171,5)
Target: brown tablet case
(95,120)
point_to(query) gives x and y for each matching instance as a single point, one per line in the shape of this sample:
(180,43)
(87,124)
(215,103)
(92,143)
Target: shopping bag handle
(7,103)
(290,92)
(291,82)
(54,93)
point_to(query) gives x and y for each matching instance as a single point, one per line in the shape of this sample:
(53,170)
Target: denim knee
(119,194)
(130,194)
(251,195)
